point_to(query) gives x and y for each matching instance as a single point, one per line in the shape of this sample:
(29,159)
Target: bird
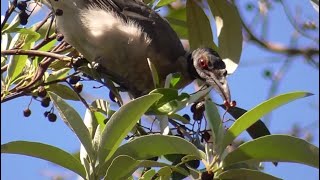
(120,35)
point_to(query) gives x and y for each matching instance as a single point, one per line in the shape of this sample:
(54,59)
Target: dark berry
(249,6)
(186,116)
(233,104)
(59,37)
(59,12)
(154,158)
(42,92)
(27,112)
(79,62)
(226,104)
(194,163)
(74,79)
(207,175)
(78,87)
(205,136)
(22,5)
(52,117)
(45,102)
(193,107)
(23,16)
(200,107)
(267,73)
(46,113)
(197,116)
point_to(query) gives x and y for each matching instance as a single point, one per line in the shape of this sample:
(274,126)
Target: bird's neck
(191,69)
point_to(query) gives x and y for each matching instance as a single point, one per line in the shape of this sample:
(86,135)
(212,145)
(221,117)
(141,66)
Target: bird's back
(120,35)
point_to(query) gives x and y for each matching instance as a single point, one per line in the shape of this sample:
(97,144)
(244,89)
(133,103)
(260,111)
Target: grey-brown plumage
(121,34)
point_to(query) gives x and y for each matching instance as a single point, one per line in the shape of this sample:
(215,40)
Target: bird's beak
(220,85)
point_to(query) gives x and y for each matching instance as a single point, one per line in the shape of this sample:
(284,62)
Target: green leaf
(56,65)
(170,103)
(90,121)
(178,21)
(164,2)
(165,173)
(148,175)
(74,121)
(5,39)
(43,30)
(253,115)
(121,123)
(215,122)
(48,47)
(179,118)
(102,106)
(102,111)
(175,78)
(59,74)
(199,94)
(63,91)
(30,36)
(14,41)
(275,148)
(12,26)
(16,64)
(123,166)
(199,28)
(149,146)
(46,152)
(256,130)
(243,174)
(229,32)
(168,94)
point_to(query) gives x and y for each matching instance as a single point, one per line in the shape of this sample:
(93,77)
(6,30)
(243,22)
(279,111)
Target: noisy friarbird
(120,35)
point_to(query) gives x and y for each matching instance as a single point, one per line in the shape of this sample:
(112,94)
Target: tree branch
(34,53)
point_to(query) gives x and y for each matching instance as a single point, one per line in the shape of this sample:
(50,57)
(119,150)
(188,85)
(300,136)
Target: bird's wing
(135,9)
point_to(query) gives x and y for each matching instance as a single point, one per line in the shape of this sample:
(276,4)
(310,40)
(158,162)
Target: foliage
(115,143)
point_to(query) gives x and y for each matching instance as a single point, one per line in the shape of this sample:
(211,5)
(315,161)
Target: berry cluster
(23,15)
(45,102)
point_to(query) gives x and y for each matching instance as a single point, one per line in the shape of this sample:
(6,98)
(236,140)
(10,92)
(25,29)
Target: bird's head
(206,64)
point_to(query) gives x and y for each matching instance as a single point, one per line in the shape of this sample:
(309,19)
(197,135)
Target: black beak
(220,85)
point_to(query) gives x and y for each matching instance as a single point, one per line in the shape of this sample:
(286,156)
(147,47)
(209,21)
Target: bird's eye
(225,73)
(203,63)
(210,66)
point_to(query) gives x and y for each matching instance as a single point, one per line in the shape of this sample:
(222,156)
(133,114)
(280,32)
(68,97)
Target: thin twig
(79,96)
(44,42)
(34,53)
(23,93)
(9,12)
(42,22)
(278,48)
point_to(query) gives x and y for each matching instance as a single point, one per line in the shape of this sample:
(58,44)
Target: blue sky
(248,87)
